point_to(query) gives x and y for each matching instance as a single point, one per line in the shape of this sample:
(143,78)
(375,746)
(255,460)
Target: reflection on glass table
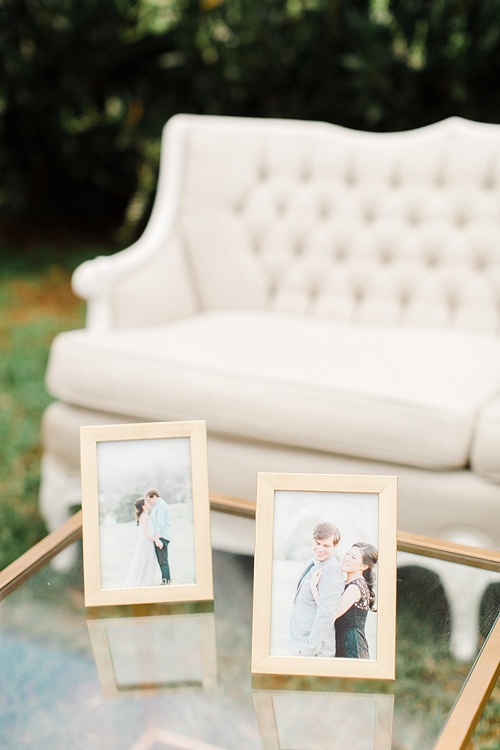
(146,654)
(325,720)
(146,679)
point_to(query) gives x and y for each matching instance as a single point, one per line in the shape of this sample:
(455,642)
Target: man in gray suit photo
(160,517)
(312,631)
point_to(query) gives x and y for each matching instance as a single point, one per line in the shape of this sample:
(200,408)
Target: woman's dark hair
(369,556)
(139,508)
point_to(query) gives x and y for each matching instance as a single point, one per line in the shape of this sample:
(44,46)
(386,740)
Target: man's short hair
(325,529)
(152,493)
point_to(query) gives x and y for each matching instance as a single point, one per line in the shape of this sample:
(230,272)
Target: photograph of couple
(333,599)
(324,601)
(151,552)
(146,535)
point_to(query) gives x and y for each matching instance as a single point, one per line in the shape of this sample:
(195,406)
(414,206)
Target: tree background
(88,84)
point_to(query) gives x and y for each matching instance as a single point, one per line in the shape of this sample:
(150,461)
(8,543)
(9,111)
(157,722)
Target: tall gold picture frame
(122,466)
(295,630)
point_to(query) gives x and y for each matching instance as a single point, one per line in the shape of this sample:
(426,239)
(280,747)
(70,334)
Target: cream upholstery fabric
(375,228)
(435,503)
(485,452)
(310,218)
(404,395)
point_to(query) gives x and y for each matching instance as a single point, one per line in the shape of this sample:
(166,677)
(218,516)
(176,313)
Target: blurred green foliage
(33,308)
(88,84)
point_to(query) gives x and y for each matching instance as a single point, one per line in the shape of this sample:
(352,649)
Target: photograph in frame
(146,513)
(324,599)
(309,720)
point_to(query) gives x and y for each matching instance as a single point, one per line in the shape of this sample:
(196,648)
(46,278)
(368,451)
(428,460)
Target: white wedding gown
(144,569)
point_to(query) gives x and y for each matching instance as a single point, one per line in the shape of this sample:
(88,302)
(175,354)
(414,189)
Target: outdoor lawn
(35,303)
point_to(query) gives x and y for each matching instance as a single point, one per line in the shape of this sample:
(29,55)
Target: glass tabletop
(178,676)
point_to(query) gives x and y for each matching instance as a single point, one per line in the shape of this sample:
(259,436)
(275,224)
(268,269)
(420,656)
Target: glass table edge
(476,690)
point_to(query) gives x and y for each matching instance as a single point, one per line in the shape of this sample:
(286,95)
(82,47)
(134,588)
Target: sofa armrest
(93,282)
(140,286)
(149,282)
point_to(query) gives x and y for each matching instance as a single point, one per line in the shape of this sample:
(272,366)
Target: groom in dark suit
(311,627)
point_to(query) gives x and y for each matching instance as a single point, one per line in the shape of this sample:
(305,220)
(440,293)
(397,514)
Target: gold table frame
(476,690)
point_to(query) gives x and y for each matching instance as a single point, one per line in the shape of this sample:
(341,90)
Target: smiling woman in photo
(357,599)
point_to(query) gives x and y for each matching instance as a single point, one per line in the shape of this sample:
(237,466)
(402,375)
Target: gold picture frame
(121,464)
(291,615)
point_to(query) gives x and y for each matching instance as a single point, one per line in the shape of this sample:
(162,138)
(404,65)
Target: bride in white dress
(144,570)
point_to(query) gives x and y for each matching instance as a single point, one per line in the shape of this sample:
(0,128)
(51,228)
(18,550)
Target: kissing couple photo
(151,551)
(144,545)
(146,521)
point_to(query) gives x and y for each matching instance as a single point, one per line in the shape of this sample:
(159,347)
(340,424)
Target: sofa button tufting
(306,174)
(350,179)
(339,254)
(324,212)
(255,245)
(414,219)
(386,256)
(313,293)
(262,173)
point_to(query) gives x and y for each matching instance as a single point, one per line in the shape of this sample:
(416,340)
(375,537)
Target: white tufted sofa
(328,300)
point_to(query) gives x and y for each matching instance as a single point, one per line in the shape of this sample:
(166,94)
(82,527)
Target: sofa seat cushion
(485,453)
(407,395)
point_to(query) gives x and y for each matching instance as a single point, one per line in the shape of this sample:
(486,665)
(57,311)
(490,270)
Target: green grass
(35,304)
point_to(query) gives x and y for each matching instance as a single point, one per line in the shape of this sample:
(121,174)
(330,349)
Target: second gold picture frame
(324,599)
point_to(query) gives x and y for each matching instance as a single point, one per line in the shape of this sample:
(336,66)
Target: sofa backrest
(312,218)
